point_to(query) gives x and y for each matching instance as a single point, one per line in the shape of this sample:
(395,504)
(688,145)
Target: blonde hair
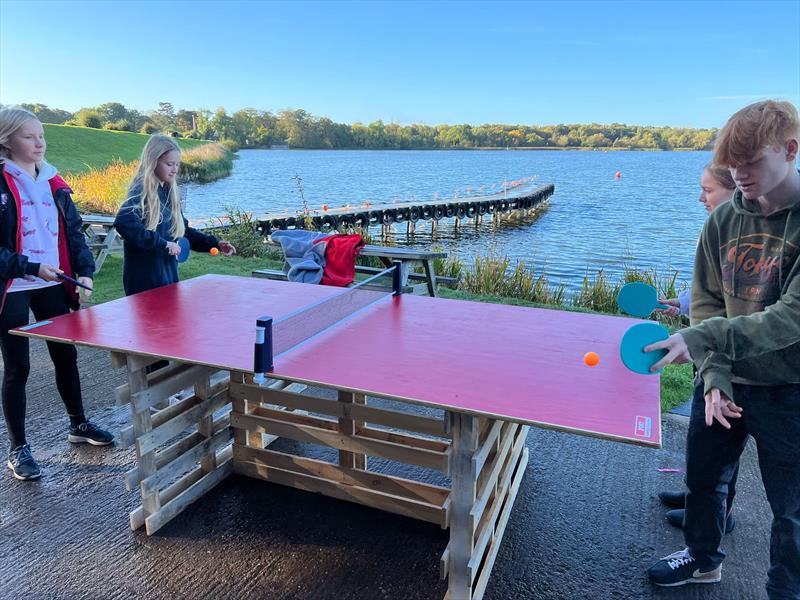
(11,119)
(770,123)
(721,175)
(145,184)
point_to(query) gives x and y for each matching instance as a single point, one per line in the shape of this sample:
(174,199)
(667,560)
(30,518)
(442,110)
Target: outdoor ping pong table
(494,369)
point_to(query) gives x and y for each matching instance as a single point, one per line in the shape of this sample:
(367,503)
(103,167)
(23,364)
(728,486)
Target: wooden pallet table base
(188,447)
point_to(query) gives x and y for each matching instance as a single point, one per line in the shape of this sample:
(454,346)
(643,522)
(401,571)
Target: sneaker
(681,568)
(675,517)
(88,432)
(673,499)
(22,463)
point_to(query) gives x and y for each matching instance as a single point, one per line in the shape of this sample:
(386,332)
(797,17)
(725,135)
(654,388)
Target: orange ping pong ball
(214,251)
(591,359)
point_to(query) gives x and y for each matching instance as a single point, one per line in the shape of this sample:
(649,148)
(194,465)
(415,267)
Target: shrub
(206,163)
(102,190)
(230,145)
(241,229)
(121,125)
(90,120)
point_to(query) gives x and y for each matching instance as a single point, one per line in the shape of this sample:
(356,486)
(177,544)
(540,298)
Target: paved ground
(586,524)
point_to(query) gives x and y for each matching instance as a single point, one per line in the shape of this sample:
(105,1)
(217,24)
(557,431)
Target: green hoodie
(747,269)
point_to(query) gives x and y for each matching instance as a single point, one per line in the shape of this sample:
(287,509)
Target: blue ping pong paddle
(184,245)
(638,299)
(73,281)
(635,340)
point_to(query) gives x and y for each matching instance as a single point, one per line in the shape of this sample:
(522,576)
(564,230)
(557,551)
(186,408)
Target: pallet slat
(315,435)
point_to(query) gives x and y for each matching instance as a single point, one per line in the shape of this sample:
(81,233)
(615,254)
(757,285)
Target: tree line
(251,128)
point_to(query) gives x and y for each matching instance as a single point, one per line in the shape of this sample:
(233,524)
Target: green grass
(676,381)
(676,385)
(78,149)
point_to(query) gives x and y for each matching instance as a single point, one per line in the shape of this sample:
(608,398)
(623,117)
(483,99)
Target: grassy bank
(676,382)
(80,149)
(100,164)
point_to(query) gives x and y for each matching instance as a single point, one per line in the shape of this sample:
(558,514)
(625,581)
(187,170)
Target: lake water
(649,218)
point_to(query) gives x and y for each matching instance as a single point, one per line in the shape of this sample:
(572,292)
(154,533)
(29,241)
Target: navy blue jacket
(147,264)
(75,258)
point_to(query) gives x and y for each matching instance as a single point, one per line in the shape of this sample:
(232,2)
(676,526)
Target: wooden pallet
(225,424)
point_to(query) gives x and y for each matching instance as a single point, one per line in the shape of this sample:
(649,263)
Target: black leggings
(45,303)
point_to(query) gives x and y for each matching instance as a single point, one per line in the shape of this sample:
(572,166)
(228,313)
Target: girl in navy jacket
(150,221)
(40,238)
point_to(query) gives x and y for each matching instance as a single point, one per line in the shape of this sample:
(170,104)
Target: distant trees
(298,128)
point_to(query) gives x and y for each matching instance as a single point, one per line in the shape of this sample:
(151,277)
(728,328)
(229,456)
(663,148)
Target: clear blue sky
(660,63)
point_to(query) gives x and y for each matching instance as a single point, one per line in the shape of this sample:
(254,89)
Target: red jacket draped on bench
(340,259)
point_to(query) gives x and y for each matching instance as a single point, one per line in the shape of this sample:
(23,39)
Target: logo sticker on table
(643,426)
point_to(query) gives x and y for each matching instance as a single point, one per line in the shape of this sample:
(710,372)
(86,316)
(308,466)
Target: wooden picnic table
(408,259)
(101,237)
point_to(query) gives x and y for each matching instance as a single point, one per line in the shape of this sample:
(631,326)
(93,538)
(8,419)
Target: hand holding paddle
(73,281)
(637,349)
(673,350)
(673,307)
(639,299)
(183,244)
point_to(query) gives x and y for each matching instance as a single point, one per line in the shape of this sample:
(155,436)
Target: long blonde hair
(145,184)
(11,119)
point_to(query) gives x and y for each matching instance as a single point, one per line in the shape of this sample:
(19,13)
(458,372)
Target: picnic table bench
(101,237)
(408,258)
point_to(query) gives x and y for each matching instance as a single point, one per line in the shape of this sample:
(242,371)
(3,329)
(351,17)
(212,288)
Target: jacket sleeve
(14,265)
(199,241)
(130,226)
(79,253)
(716,343)
(685,300)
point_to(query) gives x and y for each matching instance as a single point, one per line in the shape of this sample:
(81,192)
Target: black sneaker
(673,499)
(22,463)
(87,432)
(681,568)
(675,517)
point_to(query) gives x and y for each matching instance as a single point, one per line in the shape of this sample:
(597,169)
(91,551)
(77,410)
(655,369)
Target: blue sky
(660,63)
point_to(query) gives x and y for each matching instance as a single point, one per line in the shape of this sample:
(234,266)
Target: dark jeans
(45,303)
(772,416)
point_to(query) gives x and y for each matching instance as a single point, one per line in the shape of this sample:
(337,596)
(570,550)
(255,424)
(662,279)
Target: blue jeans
(772,416)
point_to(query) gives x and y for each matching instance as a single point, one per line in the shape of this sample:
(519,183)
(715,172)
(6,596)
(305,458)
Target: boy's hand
(719,406)
(49,272)
(674,307)
(227,248)
(83,293)
(677,352)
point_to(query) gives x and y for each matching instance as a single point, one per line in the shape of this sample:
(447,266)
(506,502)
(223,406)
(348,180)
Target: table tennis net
(299,326)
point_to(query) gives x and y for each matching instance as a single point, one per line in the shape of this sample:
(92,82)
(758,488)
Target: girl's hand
(173,248)
(674,307)
(227,248)
(85,294)
(49,272)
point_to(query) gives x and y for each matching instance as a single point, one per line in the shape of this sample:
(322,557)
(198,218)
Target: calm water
(650,218)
